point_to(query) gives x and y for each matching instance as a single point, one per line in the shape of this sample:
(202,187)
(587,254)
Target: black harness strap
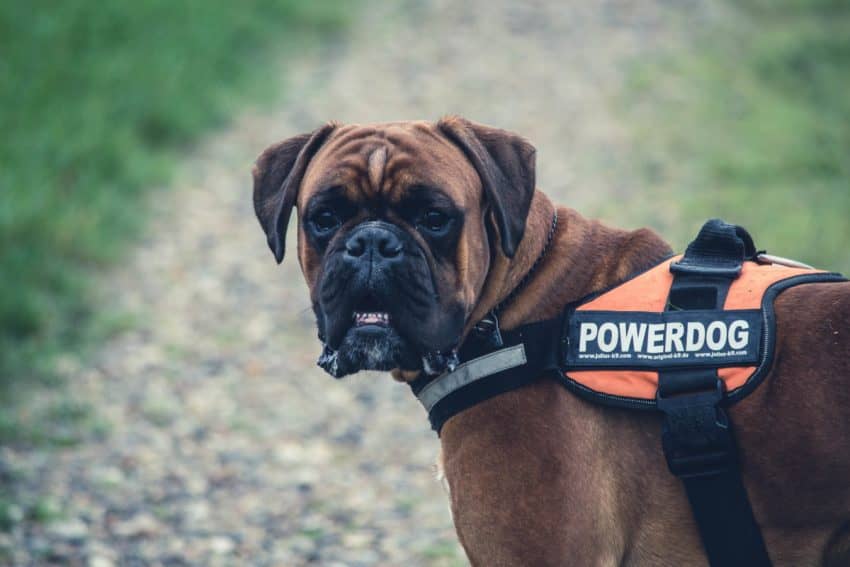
(696,437)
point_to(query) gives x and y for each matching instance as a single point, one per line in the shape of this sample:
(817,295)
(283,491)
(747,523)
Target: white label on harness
(624,339)
(665,337)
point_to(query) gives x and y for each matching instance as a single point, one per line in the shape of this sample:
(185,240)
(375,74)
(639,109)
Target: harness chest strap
(688,338)
(696,435)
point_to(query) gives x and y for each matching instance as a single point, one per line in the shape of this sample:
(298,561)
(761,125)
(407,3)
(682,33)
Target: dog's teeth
(371,318)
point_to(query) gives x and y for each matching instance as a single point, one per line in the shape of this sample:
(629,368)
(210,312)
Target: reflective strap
(471,371)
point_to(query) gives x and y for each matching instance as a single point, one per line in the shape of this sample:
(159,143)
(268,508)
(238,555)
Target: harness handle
(718,251)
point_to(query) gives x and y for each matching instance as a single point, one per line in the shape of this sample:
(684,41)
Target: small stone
(363,556)
(357,539)
(196,485)
(14,513)
(6,542)
(108,476)
(196,512)
(221,545)
(141,525)
(73,530)
(100,561)
(301,545)
(100,554)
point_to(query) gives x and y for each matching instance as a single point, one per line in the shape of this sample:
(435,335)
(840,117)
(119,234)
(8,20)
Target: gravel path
(222,443)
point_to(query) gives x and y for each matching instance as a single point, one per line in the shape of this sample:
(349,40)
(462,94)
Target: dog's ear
(277,176)
(505,163)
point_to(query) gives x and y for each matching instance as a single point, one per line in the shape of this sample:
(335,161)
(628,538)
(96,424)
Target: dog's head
(398,226)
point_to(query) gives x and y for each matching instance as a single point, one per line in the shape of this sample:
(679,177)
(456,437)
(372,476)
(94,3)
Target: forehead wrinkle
(419,133)
(323,178)
(376,165)
(349,148)
(352,162)
(354,158)
(397,162)
(405,141)
(364,187)
(397,174)
(347,137)
(340,174)
(358,147)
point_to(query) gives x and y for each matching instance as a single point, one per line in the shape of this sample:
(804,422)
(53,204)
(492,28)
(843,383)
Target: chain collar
(488,327)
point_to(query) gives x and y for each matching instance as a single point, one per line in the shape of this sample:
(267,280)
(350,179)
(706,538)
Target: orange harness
(687,338)
(750,294)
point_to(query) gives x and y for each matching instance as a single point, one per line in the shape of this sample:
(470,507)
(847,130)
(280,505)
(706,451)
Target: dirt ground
(222,443)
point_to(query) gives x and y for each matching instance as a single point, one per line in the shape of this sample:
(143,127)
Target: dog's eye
(325,220)
(434,221)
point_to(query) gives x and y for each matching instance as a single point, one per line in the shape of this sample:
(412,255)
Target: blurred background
(159,403)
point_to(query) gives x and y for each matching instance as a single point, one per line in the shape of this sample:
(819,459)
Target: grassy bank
(96,101)
(752,123)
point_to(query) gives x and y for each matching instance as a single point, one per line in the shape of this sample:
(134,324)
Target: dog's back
(794,429)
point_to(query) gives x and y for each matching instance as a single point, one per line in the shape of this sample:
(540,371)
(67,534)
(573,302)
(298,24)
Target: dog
(411,232)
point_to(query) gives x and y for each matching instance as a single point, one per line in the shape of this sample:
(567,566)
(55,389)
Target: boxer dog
(411,232)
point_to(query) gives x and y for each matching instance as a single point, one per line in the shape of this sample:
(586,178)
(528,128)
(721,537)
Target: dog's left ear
(505,163)
(277,176)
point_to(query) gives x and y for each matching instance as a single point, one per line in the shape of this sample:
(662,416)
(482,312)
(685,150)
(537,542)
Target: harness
(687,338)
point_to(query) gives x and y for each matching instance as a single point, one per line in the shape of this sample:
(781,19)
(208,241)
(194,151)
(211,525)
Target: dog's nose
(375,241)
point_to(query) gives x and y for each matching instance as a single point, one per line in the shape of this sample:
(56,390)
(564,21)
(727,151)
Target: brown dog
(411,232)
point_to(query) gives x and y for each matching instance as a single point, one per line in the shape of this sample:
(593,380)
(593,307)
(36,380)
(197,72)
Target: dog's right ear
(277,176)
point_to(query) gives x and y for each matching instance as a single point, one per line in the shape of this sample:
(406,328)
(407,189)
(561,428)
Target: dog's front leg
(527,490)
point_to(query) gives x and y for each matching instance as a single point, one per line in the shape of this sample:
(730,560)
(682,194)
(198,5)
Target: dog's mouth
(377,318)
(371,311)
(373,343)
(370,341)
(377,337)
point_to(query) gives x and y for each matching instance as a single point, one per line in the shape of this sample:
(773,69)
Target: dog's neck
(505,274)
(584,256)
(541,444)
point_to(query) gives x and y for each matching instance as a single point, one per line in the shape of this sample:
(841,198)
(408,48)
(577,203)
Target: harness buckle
(696,436)
(488,329)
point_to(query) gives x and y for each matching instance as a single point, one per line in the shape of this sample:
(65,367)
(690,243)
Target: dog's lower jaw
(329,361)
(341,363)
(362,348)
(433,363)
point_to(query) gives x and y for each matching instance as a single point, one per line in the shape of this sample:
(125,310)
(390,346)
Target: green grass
(752,124)
(96,101)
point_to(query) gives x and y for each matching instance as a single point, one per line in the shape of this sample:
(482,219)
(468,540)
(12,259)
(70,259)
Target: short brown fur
(540,477)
